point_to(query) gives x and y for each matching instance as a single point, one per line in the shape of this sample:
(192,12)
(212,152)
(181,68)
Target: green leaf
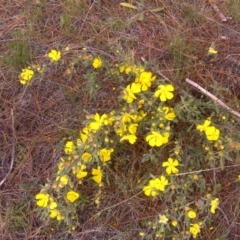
(141,16)
(157,9)
(62,20)
(217,188)
(128,5)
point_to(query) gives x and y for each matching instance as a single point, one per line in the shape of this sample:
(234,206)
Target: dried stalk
(163,76)
(218,11)
(214,98)
(13,151)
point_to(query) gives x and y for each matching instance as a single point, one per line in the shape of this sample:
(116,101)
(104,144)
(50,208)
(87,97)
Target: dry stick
(214,98)
(218,11)
(225,216)
(162,75)
(84,20)
(206,170)
(13,151)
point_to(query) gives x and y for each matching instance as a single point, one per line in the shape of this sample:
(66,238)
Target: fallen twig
(206,170)
(162,75)
(218,11)
(214,98)
(13,151)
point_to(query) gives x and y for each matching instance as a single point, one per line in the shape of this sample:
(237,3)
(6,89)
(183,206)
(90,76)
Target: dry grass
(176,40)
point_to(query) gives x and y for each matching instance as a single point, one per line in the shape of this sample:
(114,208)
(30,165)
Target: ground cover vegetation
(119,120)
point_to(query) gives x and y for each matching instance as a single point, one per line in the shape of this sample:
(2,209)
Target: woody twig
(218,11)
(13,151)
(214,98)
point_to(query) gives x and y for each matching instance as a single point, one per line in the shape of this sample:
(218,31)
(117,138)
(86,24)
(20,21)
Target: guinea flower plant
(170,129)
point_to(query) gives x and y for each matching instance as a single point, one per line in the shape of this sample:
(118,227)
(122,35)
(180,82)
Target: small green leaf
(157,9)
(217,188)
(62,20)
(128,5)
(141,16)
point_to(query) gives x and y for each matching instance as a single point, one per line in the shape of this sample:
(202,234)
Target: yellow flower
(171,165)
(192,214)
(174,223)
(80,171)
(155,185)
(212,133)
(54,55)
(132,128)
(26,75)
(86,157)
(126,118)
(211,50)
(157,139)
(194,229)
(98,121)
(121,68)
(163,219)
(141,103)
(69,147)
(52,205)
(130,90)
(128,69)
(121,130)
(138,70)
(140,116)
(202,127)
(169,113)
(97,175)
(84,134)
(161,183)
(43,199)
(214,205)
(63,180)
(150,189)
(97,62)
(72,196)
(61,165)
(55,214)
(145,80)
(165,92)
(131,138)
(105,154)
